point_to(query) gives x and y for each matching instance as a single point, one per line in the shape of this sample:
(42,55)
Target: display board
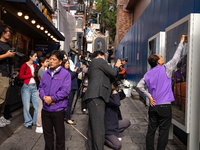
(184,79)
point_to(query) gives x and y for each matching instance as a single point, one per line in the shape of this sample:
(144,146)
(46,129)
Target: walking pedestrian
(5,70)
(158,82)
(54,89)
(97,94)
(74,87)
(29,90)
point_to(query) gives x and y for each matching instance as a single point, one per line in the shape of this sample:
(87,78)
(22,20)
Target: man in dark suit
(97,94)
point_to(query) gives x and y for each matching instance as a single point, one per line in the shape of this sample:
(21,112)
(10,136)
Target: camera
(16,53)
(125,59)
(13,49)
(116,83)
(86,60)
(186,39)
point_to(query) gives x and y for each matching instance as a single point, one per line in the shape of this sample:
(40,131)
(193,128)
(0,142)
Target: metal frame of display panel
(160,45)
(192,101)
(161,50)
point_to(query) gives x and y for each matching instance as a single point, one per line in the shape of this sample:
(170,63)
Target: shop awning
(24,26)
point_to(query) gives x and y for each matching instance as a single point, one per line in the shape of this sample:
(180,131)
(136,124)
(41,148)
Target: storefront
(31,24)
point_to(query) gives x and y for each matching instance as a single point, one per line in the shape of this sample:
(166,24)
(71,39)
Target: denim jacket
(58,87)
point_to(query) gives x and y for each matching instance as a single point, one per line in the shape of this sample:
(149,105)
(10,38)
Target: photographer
(160,96)
(97,94)
(122,73)
(5,70)
(114,125)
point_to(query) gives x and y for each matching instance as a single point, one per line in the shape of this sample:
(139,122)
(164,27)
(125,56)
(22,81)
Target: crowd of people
(50,84)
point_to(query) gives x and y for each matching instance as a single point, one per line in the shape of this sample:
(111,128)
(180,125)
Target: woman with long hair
(29,89)
(43,62)
(74,87)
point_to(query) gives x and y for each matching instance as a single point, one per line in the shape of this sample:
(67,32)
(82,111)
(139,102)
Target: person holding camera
(114,125)
(96,96)
(160,96)
(5,70)
(122,73)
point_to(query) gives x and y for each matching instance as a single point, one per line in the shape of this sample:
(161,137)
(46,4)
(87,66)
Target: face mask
(65,57)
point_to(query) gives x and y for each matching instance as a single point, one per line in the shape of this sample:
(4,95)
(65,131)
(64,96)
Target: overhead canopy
(25,27)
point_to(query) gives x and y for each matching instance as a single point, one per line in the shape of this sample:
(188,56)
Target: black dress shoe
(29,127)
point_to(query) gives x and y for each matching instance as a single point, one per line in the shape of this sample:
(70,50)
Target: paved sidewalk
(132,139)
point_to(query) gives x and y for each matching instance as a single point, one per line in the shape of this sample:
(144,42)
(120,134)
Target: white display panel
(185,80)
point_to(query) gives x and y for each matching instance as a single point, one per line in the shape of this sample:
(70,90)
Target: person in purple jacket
(54,89)
(158,82)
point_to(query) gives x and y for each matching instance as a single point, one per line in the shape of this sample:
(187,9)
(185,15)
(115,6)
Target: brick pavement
(132,139)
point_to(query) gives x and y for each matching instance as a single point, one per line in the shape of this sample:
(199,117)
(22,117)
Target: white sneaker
(2,124)
(5,120)
(39,130)
(84,111)
(120,139)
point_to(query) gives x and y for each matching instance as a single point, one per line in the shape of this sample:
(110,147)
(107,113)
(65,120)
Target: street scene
(99,75)
(132,139)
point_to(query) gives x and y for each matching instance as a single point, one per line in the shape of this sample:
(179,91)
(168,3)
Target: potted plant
(126,87)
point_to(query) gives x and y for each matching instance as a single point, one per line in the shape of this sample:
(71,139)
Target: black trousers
(56,120)
(96,129)
(112,141)
(159,116)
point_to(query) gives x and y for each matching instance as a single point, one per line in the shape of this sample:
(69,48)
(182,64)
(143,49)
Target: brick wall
(126,18)
(124,21)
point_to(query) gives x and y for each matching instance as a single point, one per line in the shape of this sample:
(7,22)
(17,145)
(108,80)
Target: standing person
(74,87)
(73,50)
(110,52)
(29,90)
(160,96)
(54,89)
(39,71)
(84,89)
(5,70)
(79,64)
(97,94)
(122,72)
(40,52)
(72,66)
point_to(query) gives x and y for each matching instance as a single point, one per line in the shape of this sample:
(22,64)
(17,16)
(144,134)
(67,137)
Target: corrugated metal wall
(157,16)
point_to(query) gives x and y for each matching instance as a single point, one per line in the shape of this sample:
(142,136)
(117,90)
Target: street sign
(95,26)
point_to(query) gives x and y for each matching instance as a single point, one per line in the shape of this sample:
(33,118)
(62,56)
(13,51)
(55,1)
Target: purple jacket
(58,87)
(159,85)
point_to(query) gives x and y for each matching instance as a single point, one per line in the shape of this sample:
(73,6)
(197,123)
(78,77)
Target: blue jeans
(29,94)
(73,58)
(69,105)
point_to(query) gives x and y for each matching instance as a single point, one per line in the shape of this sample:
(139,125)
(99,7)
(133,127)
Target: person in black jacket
(74,87)
(96,96)
(114,125)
